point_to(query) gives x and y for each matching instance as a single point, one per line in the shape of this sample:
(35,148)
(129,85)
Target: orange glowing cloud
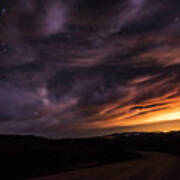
(129,111)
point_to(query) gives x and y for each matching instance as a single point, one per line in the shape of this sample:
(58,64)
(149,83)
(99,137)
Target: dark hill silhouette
(29,156)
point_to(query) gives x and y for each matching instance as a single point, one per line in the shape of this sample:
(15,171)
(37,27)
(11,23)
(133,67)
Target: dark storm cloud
(68,66)
(146,107)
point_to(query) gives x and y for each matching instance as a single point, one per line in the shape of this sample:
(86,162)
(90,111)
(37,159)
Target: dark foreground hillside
(152,166)
(28,156)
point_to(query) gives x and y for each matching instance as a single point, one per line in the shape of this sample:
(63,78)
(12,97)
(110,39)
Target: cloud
(54,18)
(34,19)
(77,67)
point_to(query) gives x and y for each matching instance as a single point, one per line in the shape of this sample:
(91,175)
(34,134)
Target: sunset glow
(83,68)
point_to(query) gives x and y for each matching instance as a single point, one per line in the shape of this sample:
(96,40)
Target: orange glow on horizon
(111,116)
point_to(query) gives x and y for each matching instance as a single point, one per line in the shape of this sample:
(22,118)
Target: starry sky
(71,68)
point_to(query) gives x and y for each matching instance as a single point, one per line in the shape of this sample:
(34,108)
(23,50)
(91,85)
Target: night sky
(71,68)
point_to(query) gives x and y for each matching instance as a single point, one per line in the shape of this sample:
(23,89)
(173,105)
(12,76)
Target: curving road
(153,166)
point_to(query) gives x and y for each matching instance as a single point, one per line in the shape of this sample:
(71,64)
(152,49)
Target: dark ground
(153,166)
(23,157)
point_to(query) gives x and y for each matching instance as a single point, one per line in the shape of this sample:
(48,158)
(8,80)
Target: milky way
(73,68)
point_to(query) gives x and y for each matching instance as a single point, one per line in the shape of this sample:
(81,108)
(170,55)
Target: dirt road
(154,166)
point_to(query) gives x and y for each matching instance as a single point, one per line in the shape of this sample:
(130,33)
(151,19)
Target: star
(3,10)
(176,19)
